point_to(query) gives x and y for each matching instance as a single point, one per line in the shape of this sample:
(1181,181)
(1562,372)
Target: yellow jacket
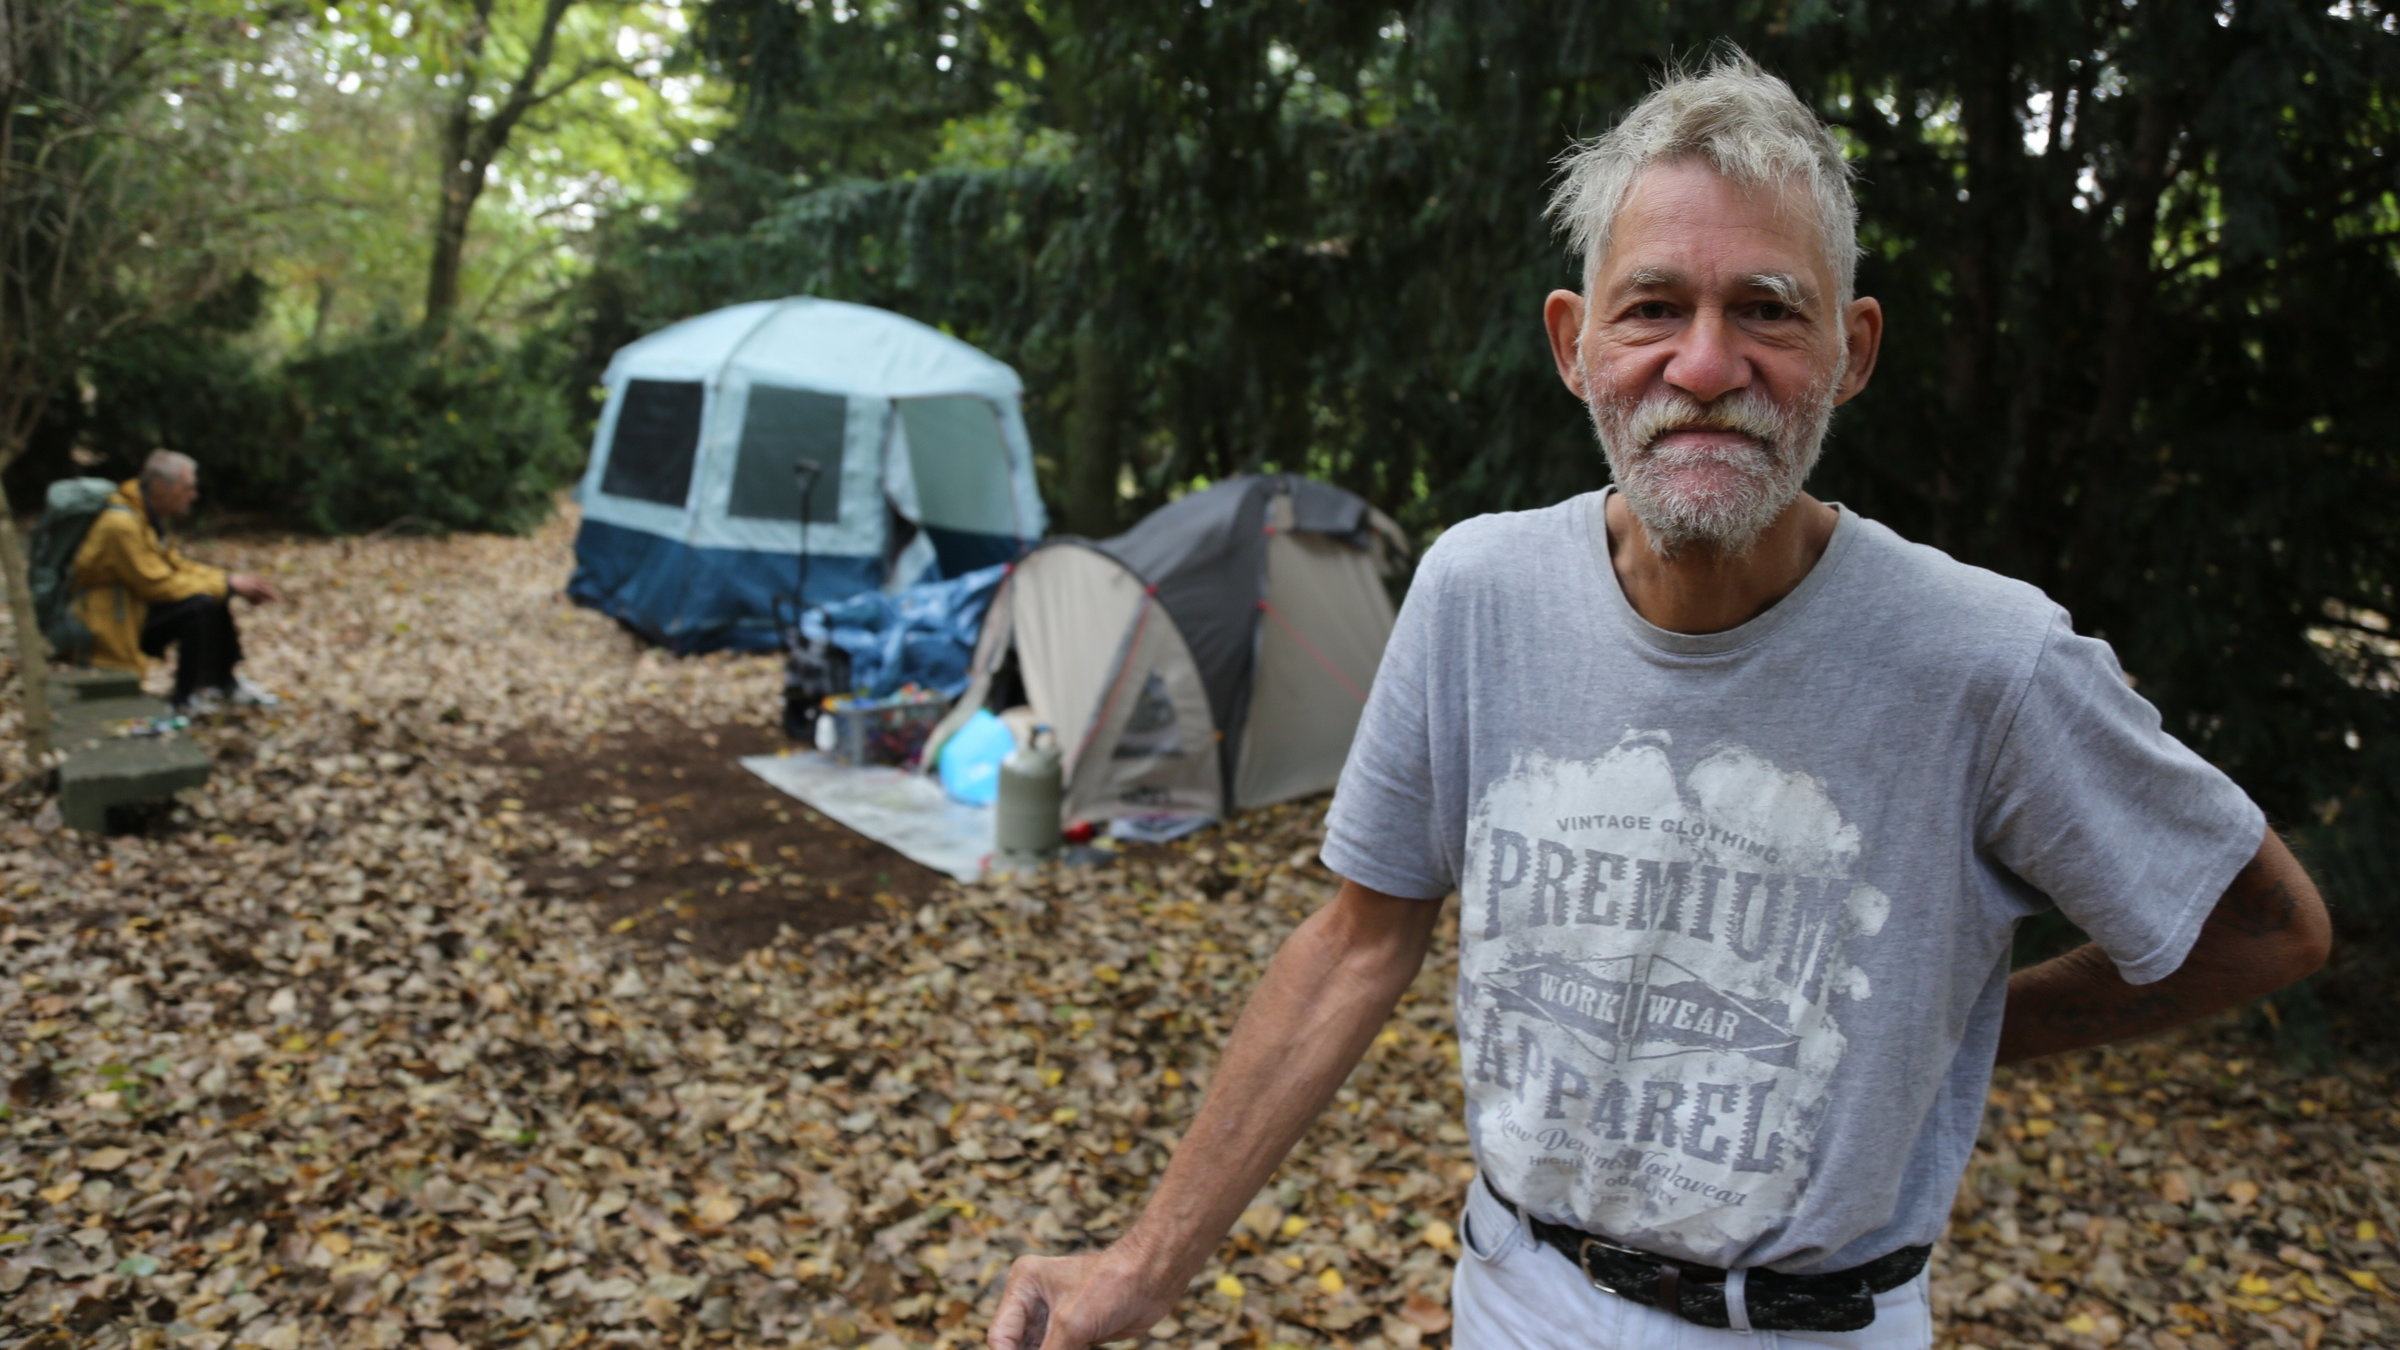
(125,567)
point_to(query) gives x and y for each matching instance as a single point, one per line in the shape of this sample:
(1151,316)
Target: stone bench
(102,769)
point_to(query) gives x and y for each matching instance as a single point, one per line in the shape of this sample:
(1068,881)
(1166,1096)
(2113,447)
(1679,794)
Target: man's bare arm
(2267,930)
(1329,989)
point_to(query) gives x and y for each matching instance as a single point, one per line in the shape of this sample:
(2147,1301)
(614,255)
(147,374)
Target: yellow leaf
(1294,1262)
(2364,1279)
(760,1259)
(1439,1236)
(65,1190)
(1171,1078)
(2038,1129)
(2242,1192)
(2254,1285)
(1293,1226)
(295,1043)
(1229,1286)
(1050,1077)
(625,924)
(336,1243)
(2081,1324)
(1064,1115)
(1330,1280)
(2366,1230)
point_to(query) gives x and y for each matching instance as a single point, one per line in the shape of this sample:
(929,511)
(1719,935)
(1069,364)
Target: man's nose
(1709,361)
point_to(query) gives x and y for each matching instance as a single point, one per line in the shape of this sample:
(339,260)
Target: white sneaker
(201,703)
(244,694)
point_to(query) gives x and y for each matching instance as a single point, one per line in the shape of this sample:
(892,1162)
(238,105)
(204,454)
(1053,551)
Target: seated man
(139,596)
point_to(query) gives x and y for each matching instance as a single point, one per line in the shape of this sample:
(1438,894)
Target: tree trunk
(459,191)
(324,312)
(33,653)
(1095,432)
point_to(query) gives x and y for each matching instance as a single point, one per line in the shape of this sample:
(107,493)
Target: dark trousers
(200,629)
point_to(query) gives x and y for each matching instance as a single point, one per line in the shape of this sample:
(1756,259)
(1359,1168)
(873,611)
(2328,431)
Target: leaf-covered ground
(359,1048)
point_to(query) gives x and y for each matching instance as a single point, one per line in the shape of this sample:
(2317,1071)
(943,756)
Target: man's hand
(252,587)
(2267,930)
(1069,1302)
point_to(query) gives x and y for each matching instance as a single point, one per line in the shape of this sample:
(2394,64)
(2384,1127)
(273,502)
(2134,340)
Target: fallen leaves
(318,1065)
(2193,1206)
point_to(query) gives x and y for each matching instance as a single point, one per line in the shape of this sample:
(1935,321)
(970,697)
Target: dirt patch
(681,848)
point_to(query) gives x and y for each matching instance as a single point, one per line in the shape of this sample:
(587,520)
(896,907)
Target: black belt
(1833,1300)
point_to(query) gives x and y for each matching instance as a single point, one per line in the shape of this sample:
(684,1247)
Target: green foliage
(192,383)
(396,430)
(112,209)
(389,427)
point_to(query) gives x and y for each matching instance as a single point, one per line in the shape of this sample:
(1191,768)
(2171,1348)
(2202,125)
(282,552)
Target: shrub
(192,381)
(396,427)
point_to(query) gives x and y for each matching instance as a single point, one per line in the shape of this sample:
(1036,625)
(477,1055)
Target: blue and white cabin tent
(692,508)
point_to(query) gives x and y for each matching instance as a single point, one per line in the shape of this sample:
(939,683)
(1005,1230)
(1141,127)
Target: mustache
(1744,412)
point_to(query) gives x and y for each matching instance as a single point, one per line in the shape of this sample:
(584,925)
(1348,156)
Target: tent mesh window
(780,428)
(658,429)
(961,464)
(1150,730)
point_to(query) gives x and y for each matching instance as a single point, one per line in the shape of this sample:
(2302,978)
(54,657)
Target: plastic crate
(889,730)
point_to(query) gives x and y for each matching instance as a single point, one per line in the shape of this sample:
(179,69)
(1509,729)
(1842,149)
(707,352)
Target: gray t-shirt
(1736,907)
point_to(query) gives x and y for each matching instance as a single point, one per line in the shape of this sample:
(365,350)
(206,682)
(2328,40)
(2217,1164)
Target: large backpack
(67,515)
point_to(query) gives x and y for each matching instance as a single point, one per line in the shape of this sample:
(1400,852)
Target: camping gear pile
(924,635)
(735,444)
(875,643)
(1212,659)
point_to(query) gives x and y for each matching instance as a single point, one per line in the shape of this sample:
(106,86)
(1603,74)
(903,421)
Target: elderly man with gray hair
(140,596)
(1742,796)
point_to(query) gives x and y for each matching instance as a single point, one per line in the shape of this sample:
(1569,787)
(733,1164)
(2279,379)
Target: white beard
(1717,498)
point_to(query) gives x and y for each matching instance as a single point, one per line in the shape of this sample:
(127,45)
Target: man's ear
(1562,317)
(1862,330)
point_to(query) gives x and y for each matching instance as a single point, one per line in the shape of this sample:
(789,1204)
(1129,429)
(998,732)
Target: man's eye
(1652,310)
(1774,311)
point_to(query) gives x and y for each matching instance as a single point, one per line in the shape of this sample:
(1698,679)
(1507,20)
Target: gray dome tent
(1213,658)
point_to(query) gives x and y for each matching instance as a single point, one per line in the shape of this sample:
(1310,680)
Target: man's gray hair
(1737,119)
(168,466)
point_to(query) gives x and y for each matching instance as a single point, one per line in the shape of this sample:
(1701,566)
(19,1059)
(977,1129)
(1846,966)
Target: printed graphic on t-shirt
(1649,988)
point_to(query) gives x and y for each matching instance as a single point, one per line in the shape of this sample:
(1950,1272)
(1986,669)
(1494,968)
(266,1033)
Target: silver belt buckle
(1583,1257)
